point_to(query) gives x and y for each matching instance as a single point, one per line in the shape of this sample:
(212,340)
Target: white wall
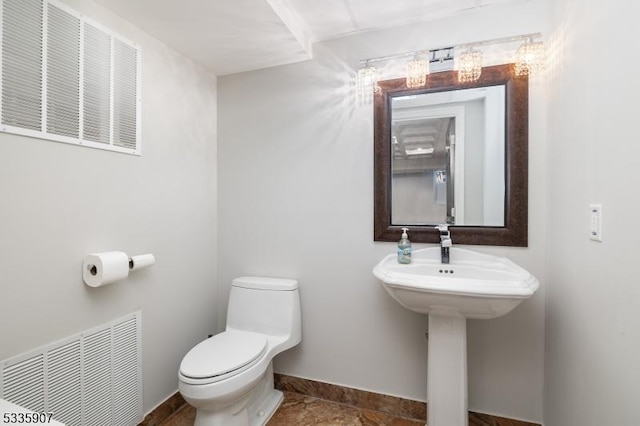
(593,299)
(60,202)
(296,200)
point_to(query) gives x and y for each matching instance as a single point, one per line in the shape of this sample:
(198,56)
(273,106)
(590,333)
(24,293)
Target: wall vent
(90,379)
(66,78)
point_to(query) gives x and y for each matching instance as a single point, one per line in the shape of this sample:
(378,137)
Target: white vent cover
(67,79)
(91,379)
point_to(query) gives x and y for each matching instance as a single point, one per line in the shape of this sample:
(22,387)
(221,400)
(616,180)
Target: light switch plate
(595,231)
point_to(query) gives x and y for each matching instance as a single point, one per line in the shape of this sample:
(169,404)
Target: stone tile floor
(301,410)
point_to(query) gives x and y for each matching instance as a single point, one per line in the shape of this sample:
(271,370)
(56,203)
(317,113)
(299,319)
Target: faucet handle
(442,227)
(445,235)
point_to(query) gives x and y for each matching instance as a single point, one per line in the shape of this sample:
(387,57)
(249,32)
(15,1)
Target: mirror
(447,157)
(453,153)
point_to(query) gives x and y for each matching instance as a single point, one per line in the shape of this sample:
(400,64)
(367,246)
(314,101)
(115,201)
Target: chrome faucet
(445,242)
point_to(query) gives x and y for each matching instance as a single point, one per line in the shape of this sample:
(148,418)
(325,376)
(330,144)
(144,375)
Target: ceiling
(231,36)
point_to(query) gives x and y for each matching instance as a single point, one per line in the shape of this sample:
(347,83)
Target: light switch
(596,222)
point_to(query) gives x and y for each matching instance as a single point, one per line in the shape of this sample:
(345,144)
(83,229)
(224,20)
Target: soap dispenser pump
(404,248)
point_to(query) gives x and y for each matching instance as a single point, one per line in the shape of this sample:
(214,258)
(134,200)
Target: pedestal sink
(472,285)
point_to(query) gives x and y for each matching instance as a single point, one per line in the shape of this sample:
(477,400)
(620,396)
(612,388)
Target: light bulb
(417,70)
(469,66)
(366,84)
(529,58)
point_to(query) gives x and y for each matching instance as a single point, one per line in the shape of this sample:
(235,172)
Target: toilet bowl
(228,378)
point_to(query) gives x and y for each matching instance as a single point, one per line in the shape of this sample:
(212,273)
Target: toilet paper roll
(100,269)
(141,261)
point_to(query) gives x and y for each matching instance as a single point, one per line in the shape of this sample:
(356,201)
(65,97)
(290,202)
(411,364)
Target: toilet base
(253,410)
(266,409)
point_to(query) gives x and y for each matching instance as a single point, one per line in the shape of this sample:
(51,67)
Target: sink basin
(473,285)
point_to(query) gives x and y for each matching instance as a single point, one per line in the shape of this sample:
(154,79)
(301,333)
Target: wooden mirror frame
(515,229)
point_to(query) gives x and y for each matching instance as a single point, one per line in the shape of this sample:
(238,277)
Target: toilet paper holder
(100,269)
(141,261)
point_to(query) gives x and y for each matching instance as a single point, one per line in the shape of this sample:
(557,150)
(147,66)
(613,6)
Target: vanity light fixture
(469,65)
(529,57)
(417,70)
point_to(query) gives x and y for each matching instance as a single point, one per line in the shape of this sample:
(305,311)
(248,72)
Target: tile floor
(301,410)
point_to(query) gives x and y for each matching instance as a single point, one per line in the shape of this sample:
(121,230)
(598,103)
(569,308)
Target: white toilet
(228,378)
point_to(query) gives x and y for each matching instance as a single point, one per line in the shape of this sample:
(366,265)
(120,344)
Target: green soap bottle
(404,248)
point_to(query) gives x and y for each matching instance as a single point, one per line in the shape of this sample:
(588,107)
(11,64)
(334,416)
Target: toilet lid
(222,353)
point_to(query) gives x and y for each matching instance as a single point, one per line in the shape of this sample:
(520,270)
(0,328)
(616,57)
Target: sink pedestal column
(447,371)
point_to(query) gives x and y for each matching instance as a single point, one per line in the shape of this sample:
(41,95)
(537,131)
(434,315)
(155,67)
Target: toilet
(228,378)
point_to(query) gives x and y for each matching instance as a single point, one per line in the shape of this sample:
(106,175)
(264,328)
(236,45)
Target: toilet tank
(265,305)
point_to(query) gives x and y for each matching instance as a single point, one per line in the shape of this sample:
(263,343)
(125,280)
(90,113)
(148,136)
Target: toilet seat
(222,355)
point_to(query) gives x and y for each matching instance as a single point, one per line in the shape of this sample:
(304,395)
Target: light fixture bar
(401,55)
(500,40)
(529,59)
(459,46)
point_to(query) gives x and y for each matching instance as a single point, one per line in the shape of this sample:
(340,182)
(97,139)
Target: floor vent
(91,379)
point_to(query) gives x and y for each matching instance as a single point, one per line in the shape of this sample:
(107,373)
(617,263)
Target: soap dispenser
(404,248)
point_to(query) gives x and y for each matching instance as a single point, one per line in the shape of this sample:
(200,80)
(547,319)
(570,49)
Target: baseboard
(354,397)
(482,419)
(163,411)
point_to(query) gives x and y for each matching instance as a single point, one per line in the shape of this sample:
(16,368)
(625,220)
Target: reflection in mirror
(452,153)
(448,157)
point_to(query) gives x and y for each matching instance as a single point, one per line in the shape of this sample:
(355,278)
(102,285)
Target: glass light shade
(366,84)
(469,66)
(529,58)
(417,70)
